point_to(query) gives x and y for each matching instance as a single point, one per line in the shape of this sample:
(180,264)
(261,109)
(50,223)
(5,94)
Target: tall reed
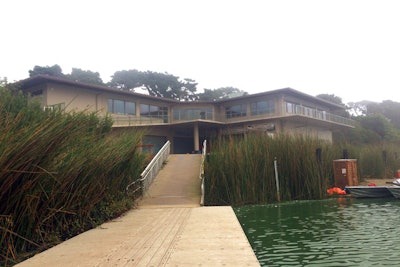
(60,174)
(241,170)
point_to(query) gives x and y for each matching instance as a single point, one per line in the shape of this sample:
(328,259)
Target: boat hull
(369,191)
(395,190)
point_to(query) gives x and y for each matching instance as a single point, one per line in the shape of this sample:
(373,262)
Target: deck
(169,228)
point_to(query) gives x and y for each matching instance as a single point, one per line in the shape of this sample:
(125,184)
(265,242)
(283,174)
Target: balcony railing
(122,120)
(319,115)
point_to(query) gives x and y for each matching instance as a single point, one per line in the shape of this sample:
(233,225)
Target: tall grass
(240,170)
(60,174)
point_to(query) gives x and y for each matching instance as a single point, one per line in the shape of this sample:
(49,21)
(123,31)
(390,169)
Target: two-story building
(186,124)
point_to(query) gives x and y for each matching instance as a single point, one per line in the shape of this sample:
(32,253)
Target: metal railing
(151,170)
(320,115)
(203,157)
(121,120)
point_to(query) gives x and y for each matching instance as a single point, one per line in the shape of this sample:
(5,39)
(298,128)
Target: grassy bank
(61,174)
(240,170)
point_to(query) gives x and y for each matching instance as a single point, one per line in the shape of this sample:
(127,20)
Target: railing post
(151,170)
(203,156)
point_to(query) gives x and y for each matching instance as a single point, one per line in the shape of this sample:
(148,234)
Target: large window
(117,106)
(193,114)
(290,107)
(262,107)
(154,112)
(306,111)
(309,112)
(235,111)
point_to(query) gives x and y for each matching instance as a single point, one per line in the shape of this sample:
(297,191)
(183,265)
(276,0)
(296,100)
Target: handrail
(320,115)
(152,169)
(203,156)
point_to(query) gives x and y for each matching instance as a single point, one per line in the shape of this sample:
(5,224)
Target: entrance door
(183,145)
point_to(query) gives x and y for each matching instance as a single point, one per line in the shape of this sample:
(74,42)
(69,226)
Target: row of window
(304,110)
(122,107)
(193,114)
(129,108)
(256,108)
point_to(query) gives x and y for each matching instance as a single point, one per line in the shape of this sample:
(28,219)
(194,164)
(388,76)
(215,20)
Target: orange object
(336,190)
(398,174)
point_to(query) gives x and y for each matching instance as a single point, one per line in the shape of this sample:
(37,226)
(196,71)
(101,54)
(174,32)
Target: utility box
(345,172)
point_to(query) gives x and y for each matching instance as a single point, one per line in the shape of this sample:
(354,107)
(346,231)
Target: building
(186,124)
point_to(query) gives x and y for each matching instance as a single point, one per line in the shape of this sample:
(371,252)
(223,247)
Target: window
(290,107)
(150,111)
(193,114)
(262,107)
(310,112)
(55,107)
(121,107)
(235,111)
(321,114)
(130,108)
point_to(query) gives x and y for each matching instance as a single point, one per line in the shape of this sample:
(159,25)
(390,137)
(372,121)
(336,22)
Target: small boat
(395,190)
(362,191)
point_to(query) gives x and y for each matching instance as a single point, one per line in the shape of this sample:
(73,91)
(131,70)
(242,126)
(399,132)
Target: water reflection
(334,232)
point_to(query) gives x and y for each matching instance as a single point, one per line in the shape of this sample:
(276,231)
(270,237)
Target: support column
(196,137)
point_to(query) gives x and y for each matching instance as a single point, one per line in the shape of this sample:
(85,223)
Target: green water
(334,232)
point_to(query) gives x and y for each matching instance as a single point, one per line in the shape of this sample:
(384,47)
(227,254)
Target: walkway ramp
(177,183)
(169,228)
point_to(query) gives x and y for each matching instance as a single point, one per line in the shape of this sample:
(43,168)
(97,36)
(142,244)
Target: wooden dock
(168,229)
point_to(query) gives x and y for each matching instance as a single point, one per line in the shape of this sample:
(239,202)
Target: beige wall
(307,130)
(74,98)
(78,98)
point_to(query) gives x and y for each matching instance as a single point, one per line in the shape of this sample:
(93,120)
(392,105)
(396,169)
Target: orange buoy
(336,190)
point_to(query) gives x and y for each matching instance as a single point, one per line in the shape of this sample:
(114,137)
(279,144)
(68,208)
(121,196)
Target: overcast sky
(348,48)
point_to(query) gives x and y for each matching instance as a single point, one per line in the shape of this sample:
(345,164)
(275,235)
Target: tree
(157,84)
(331,98)
(169,86)
(54,70)
(336,100)
(358,108)
(85,76)
(3,82)
(388,108)
(221,93)
(127,79)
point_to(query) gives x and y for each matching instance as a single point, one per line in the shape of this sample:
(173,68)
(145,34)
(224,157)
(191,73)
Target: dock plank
(169,228)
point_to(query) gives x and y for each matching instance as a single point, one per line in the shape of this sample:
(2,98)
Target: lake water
(333,232)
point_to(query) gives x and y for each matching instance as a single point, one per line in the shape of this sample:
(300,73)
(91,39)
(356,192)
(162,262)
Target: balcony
(126,120)
(318,114)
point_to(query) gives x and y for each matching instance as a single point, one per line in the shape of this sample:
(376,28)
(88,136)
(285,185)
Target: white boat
(363,191)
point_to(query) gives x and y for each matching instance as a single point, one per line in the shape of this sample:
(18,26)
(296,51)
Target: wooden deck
(168,229)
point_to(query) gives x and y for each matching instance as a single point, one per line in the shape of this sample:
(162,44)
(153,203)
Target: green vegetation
(60,174)
(241,170)
(156,83)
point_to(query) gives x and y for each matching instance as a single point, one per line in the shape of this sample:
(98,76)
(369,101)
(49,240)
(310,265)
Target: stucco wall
(307,130)
(73,98)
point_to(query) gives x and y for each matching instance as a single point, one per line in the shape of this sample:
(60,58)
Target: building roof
(40,79)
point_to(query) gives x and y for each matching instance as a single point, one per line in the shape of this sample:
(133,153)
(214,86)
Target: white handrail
(203,156)
(152,169)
